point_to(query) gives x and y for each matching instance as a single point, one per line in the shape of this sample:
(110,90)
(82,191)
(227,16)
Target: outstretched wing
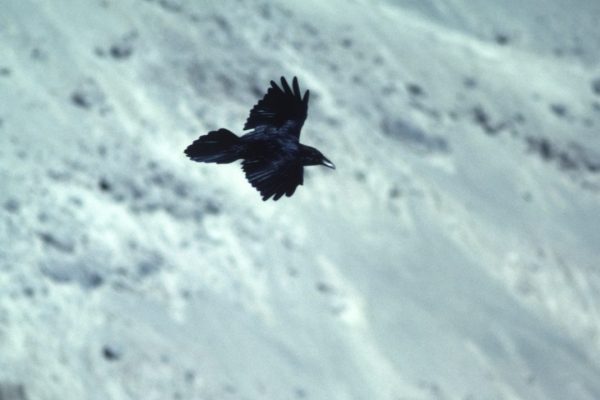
(274,177)
(283,109)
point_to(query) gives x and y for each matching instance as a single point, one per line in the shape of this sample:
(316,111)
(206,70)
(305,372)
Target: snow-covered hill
(453,254)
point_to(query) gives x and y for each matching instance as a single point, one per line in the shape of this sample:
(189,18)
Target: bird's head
(312,156)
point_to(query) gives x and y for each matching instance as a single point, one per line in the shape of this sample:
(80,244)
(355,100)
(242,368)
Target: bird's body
(273,157)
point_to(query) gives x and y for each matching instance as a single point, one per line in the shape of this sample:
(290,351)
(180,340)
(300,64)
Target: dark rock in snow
(502,39)
(104,185)
(110,353)
(482,119)
(560,110)
(12,391)
(81,100)
(123,48)
(413,136)
(414,89)
(596,86)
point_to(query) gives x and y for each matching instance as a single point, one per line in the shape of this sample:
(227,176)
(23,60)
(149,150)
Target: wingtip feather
(306,96)
(274,86)
(286,86)
(296,88)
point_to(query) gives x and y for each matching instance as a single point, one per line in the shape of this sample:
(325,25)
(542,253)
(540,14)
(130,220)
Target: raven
(273,158)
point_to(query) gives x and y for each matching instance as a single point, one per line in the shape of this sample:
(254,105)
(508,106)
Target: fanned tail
(221,146)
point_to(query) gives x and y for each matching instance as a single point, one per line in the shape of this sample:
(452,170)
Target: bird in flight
(273,158)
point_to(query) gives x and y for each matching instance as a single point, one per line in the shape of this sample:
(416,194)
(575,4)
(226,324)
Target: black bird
(273,158)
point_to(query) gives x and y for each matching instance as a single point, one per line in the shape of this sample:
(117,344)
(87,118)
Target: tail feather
(221,146)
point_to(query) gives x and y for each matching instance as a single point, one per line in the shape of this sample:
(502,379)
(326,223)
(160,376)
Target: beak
(328,163)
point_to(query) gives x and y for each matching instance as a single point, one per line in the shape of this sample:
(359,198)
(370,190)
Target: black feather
(273,158)
(279,109)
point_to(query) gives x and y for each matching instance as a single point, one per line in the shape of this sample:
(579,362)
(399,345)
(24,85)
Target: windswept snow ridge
(453,254)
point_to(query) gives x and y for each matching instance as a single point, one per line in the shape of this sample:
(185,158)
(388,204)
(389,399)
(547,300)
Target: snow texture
(453,254)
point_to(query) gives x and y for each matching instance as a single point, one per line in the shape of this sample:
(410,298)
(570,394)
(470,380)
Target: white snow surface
(453,254)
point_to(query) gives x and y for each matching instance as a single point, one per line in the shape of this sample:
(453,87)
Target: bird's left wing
(282,108)
(275,177)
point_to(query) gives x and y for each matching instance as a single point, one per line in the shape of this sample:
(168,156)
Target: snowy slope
(452,254)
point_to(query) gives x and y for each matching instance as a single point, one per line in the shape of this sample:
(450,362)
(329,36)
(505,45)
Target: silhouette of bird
(273,158)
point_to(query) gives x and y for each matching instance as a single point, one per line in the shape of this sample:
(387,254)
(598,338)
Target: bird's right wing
(274,177)
(281,108)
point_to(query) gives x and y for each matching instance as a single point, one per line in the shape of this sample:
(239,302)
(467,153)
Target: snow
(453,254)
